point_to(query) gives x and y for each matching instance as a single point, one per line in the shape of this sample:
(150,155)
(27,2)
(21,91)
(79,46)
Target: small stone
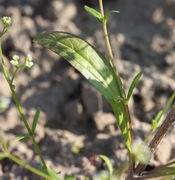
(163,153)
(103,120)
(90,99)
(73,110)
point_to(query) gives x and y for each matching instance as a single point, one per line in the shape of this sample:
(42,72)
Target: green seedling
(102,73)
(27,63)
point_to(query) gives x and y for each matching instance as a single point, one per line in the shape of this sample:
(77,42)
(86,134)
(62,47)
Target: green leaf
(164,172)
(107,15)
(4,145)
(157,120)
(19,137)
(85,58)
(94,13)
(94,67)
(69,178)
(35,120)
(108,163)
(50,172)
(133,85)
(2,156)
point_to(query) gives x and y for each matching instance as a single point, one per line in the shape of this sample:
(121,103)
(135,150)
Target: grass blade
(35,120)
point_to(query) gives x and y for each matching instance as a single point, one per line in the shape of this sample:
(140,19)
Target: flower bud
(6,21)
(28,61)
(15,60)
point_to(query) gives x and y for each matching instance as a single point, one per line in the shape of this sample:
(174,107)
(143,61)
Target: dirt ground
(73,113)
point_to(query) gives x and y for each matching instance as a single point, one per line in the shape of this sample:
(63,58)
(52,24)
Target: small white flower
(16,57)
(29,57)
(14,63)
(6,21)
(15,60)
(29,63)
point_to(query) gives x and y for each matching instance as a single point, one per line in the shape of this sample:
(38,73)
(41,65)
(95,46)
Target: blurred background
(76,122)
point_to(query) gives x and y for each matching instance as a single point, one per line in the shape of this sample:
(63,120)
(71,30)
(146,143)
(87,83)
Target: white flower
(6,21)
(15,60)
(29,57)
(16,57)
(142,152)
(28,62)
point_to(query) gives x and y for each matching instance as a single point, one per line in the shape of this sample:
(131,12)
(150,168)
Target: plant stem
(26,166)
(111,57)
(14,74)
(20,110)
(132,159)
(158,136)
(27,126)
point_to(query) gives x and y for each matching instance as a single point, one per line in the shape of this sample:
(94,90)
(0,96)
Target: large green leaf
(94,67)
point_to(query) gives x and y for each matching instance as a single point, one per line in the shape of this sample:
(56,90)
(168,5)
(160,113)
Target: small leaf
(35,120)
(69,178)
(157,120)
(94,13)
(133,85)
(2,156)
(19,137)
(4,145)
(108,163)
(107,15)
(50,172)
